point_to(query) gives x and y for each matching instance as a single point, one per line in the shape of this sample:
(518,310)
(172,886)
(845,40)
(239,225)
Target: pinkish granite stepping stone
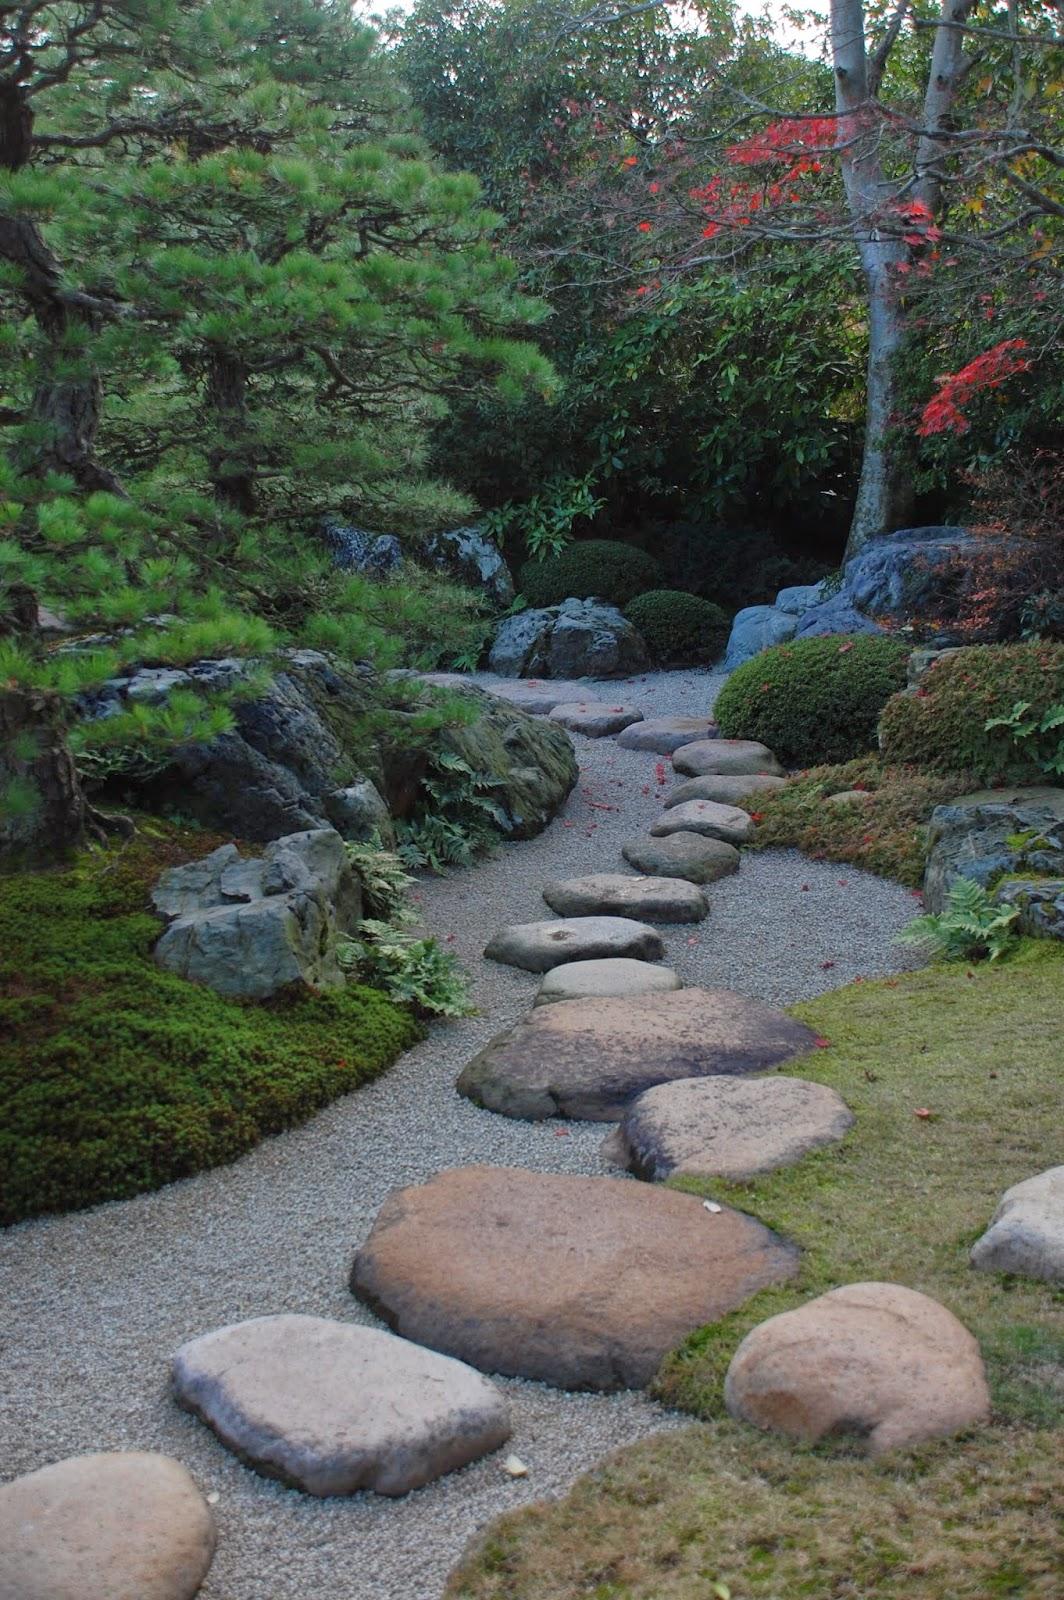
(618,979)
(538,946)
(663,735)
(725,789)
(595,719)
(707,817)
(540,696)
(731,757)
(619,894)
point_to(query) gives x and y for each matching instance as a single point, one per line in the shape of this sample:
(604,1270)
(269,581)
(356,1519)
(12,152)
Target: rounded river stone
(707,817)
(663,735)
(725,756)
(619,978)
(538,946)
(683,855)
(621,895)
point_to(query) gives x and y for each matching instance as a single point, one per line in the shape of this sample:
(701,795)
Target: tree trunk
(42,808)
(229,464)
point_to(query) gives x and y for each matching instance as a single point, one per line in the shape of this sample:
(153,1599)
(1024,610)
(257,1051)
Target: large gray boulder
(757,628)
(975,836)
(354,550)
(1026,1232)
(838,614)
(912,572)
(578,639)
(470,557)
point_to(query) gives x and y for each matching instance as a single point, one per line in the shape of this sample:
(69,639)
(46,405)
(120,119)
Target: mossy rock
(530,760)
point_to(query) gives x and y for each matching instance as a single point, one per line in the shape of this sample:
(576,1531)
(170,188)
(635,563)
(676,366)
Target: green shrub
(816,700)
(679,627)
(733,567)
(942,726)
(601,567)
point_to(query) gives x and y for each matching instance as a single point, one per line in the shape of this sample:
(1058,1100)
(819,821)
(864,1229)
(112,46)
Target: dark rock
(354,550)
(1040,902)
(912,572)
(837,615)
(470,557)
(757,628)
(579,638)
(970,838)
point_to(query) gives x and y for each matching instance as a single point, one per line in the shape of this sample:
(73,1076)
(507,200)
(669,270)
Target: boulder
(127,1525)
(970,838)
(579,638)
(528,763)
(754,629)
(1026,1232)
(835,615)
(616,978)
(726,757)
(683,855)
(848,797)
(726,1127)
(375,555)
(910,573)
(724,788)
(590,1059)
(360,812)
(538,946)
(615,894)
(470,557)
(333,1407)
(1040,902)
(799,598)
(586,1283)
(707,817)
(663,735)
(877,1361)
(595,719)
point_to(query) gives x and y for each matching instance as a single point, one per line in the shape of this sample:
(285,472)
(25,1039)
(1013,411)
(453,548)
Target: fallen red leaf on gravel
(820,1043)
(925,1114)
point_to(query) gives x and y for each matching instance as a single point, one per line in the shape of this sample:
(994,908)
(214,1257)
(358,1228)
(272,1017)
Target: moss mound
(117,1077)
(601,567)
(814,701)
(679,628)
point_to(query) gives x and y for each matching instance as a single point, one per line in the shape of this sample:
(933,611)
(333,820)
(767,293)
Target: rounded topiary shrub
(602,567)
(814,701)
(679,628)
(941,725)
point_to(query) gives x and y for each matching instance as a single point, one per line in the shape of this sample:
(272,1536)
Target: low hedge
(602,567)
(679,628)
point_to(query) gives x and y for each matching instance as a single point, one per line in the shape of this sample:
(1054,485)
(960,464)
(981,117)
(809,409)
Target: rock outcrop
(578,639)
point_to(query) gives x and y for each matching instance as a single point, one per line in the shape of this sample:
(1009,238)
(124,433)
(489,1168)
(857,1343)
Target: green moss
(679,628)
(602,567)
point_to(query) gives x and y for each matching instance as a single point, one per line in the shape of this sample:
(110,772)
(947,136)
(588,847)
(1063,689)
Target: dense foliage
(679,628)
(600,567)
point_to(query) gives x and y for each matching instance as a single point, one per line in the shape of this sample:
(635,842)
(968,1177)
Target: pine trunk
(42,807)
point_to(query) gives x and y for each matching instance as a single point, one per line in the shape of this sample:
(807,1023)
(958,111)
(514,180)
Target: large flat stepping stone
(588,1059)
(620,978)
(731,757)
(586,1283)
(873,1360)
(726,1127)
(538,946)
(332,1407)
(539,698)
(595,719)
(683,855)
(726,789)
(618,894)
(1026,1232)
(707,817)
(127,1525)
(663,735)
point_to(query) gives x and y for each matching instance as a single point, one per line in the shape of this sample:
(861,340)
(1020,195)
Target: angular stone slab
(590,1058)
(618,894)
(586,1283)
(122,1525)
(683,855)
(596,719)
(726,790)
(726,1127)
(707,817)
(730,757)
(333,1407)
(874,1360)
(1026,1232)
(603,980)
(538,946)
(539,697)
(663,735)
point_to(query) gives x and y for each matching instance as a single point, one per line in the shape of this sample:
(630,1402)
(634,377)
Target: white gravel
(95,1303)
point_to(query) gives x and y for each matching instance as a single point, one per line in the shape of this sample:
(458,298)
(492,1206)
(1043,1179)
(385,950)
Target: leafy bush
(413,972)
(943,724)
(458,817)
(733,567)
(814,701)
(679,627)
(602,567)
(971,927)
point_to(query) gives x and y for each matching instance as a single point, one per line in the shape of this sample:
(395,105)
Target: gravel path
(95,1303)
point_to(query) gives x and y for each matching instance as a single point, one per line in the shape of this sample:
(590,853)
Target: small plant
(412,971)
(465,819)
(385,881)
(972,927)
(545,522)
(1039,736)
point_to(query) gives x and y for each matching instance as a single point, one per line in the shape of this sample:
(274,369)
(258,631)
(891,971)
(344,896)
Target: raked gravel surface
(95,1303)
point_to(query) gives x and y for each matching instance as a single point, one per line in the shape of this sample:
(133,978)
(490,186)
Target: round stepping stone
(590,1060)
(683,855)
(707,817)
(617,894)
(1026,1232)
(540,698)
(595,719)
(731,757)
(538,946)
(663,735)
(127,1525)
(603,980)
(586,1283)
(726,790)
(874,1360)
(332,1407)
(726,1127)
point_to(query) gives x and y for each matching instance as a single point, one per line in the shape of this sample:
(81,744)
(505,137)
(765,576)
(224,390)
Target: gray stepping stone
(1026,1232)
(726,1127)
(537,697)
(663,735)
(725,789)
(617,894)
(620,978)
(586,1283)
(122,1525)
(683,855)
(333,1407)
(595,719)
(591,1060)
(731,757)
(538,946)
(707,817)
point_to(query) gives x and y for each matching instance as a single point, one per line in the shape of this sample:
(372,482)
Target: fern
(972,927)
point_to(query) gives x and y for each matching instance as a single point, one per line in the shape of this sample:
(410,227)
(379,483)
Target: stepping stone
(849,797)
(540,698)
(683,855)
(332,1407)
(586,1283)
(874,1360)
(726,790)
(1026,1232)
(602,980)
(590,1060)
(666,734)
(538,946)
(707,817)
(729,757)
(617,894)
(122,1525)
(726,1127)
(595,719)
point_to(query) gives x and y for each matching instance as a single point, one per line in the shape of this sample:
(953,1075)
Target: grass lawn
(901,1199)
